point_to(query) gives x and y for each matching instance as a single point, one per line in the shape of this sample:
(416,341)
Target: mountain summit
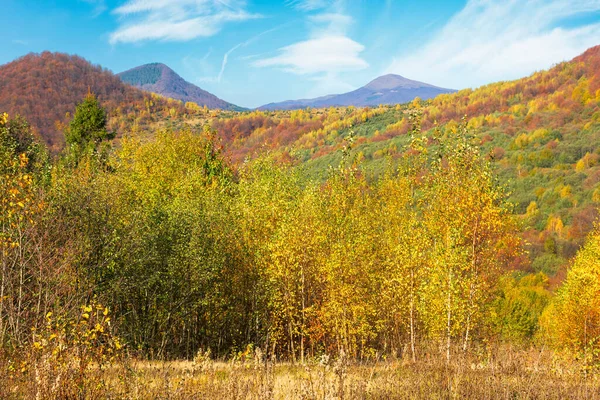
(387,89)
(159,78)
(391,81)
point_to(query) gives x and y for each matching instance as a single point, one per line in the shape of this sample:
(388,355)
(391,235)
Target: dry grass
(515,375)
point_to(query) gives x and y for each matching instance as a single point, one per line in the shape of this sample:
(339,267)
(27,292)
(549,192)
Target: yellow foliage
(565,191)
(581,92)
(596,195)
(396,125)
(538,134)
(190,105)
(555,224)
(522,140)
(67,352)
(573,320)
(532,209)
(517,109)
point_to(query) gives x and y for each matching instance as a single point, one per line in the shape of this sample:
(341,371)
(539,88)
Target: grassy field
(512,374)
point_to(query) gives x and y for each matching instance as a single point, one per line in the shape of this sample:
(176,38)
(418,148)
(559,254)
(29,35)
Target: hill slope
(387,89)
(44,87)
(542,133)
(159,78)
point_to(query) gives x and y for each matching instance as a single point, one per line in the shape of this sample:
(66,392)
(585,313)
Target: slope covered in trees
(44,87)
(541,133)
(159,78)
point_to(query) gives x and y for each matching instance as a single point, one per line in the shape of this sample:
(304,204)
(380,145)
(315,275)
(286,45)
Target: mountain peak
(147,74)
(392,81)
(387,89)
(159,78)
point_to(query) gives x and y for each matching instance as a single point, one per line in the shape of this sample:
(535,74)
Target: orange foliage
(44,87)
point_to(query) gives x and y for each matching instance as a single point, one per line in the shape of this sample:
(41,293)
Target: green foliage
(548,263)
(155,233)
(87,129)
(520,301)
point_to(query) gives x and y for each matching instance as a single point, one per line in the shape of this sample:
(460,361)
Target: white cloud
(491,40)
(326,54)
(328,51)
(175,20)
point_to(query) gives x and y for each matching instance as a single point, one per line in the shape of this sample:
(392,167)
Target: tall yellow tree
(572,320)
(405,247)
(18,205)
(472,232)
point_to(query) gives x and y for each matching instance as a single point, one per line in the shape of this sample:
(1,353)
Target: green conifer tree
(87,130)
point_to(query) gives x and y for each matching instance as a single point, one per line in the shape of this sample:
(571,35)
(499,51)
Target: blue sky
(258,51)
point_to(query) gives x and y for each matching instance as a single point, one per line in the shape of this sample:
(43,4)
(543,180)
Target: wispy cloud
(206,67)
(328,51)
(308,5)
(326,54)
(330,23)
(99,6)
(242,44)
(176,20)
(491,40)
(21,42)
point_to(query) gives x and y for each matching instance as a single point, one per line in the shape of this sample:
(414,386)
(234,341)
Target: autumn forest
(441,248)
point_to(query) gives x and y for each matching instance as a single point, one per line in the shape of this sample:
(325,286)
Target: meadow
(504,373)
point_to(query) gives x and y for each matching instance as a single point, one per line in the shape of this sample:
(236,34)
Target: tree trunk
(303,320)
(412,316)
(449,316)
(20,298)
(471,286)
(2,286)
(292,350)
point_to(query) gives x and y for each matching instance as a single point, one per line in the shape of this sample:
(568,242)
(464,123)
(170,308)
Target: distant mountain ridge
(159,78)
(387,89)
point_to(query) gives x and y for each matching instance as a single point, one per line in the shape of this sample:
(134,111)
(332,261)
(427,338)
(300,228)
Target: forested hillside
(542,134)
(44,87)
